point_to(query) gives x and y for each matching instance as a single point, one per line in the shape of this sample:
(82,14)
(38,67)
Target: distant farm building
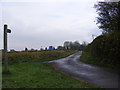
(51,48)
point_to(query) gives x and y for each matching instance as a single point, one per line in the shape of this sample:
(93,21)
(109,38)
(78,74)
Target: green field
(37,56)
(38,75)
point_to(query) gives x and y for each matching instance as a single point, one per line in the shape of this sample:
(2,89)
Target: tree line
(67,45)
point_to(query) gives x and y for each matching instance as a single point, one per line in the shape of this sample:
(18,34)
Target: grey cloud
(49,23)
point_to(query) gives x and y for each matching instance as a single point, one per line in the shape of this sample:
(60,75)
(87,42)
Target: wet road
(99,76)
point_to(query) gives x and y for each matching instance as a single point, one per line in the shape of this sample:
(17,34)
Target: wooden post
(6,70)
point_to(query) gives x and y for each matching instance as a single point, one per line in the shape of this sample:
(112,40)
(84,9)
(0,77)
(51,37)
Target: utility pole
(6,70)
(93,36)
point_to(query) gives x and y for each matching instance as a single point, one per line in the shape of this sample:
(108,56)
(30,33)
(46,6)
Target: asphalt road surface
(103,77)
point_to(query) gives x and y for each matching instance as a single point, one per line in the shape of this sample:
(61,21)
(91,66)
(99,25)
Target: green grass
(40,75)
(0,75)
(85,57)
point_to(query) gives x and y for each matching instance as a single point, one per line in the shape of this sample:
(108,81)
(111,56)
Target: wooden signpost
(6,70)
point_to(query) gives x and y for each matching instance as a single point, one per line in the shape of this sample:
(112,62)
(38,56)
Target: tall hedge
(106,48)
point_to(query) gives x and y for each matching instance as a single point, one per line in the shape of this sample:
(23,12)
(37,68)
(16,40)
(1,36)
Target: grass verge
(40,75)
(85,57)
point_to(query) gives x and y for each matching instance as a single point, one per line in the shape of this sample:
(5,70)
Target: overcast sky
(41,23)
